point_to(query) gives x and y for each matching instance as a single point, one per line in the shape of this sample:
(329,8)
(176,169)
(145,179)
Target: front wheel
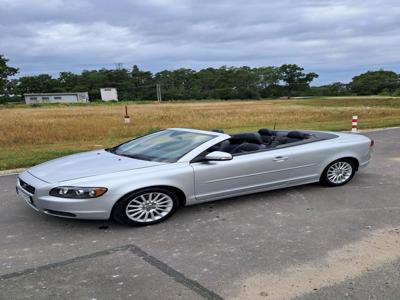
(146,207)
(338,172)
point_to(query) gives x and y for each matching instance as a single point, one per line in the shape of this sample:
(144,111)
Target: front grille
(27,187)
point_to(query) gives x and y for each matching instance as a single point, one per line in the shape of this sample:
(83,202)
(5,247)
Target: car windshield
(164,146)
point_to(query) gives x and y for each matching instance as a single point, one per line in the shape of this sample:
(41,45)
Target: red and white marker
(127,119)
(354,124)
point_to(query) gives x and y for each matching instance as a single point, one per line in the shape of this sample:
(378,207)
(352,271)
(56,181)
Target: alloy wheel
(149,207)
(339,172)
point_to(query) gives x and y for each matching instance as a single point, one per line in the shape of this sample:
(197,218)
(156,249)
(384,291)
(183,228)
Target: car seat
(297,135)
(267,135)
(247,147)
(246,142)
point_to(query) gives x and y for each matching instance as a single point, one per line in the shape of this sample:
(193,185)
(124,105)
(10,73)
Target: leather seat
(291,137)
(247,147)
(250,137)
(267,135)
(218,130)
(266,132)
(225,145)
(297,135)
(246,142)
(222,146)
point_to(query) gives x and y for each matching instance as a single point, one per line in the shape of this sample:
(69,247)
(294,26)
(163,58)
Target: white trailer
(78,97)
(109,94)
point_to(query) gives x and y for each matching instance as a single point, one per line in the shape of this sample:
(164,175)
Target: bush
(396,93)
(7,99)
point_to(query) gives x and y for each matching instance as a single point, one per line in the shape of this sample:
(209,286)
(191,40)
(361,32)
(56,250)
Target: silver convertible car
(145,180)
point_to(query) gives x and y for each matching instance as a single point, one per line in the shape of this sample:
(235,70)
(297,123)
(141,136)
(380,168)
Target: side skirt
(253,190)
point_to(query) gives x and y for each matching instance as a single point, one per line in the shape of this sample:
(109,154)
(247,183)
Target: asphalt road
(307,242)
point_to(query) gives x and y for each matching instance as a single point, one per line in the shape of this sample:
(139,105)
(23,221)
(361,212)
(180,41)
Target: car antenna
(274,124)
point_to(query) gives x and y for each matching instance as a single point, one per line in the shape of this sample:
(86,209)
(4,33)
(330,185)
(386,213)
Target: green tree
(92,81)
(268,80)
(42,83)
(5,72)
(294,78)
(245,82)
(333,89)
(375,82)
(68,81)
(142,84)
(209,83)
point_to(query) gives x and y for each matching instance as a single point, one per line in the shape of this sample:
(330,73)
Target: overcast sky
(337,39)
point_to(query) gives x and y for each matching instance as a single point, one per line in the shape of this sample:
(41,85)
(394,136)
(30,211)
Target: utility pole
(158,88)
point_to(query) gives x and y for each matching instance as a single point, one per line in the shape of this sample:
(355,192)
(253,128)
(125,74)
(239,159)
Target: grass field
(30,135)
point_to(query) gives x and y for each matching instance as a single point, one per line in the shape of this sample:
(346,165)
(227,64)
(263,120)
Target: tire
(338,173)
(158,203)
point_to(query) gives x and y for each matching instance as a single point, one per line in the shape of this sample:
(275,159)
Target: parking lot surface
(307,242)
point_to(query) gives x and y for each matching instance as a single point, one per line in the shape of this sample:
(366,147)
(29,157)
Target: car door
(297,164)
(253,172)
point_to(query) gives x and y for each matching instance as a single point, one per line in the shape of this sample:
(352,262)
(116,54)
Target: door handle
(280,158)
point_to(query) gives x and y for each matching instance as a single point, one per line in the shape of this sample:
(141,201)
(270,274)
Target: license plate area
(28,199)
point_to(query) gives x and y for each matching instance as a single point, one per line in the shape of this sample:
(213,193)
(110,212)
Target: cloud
(335,38)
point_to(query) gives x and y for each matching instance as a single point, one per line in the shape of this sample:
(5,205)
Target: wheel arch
(180,194)
(351,158)
(354,160)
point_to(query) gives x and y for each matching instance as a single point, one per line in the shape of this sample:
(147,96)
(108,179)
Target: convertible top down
(143,181)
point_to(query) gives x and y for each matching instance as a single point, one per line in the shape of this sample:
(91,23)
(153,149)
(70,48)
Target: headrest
(251,137)
(218,130)
(266,131)
(297,135)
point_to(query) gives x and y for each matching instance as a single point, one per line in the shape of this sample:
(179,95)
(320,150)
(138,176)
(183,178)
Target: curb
(12,172)
(378,129)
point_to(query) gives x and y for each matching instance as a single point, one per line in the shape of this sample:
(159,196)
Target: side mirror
(218,156)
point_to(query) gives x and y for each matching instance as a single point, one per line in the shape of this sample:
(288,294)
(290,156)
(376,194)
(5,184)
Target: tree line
(288,80)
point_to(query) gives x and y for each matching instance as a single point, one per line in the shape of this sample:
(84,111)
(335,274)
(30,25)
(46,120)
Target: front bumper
(94,209)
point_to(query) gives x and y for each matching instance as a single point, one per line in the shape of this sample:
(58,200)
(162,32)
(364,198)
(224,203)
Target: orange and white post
(354,124)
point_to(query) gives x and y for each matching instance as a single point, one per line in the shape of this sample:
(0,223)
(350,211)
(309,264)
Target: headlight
(75,192)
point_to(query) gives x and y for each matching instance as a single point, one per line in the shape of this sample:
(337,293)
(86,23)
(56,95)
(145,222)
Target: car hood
(86,164)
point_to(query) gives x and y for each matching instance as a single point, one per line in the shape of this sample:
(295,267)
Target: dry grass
(27,133)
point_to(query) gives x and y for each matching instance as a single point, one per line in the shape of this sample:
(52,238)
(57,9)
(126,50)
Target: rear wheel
(338,172)
(146,207)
